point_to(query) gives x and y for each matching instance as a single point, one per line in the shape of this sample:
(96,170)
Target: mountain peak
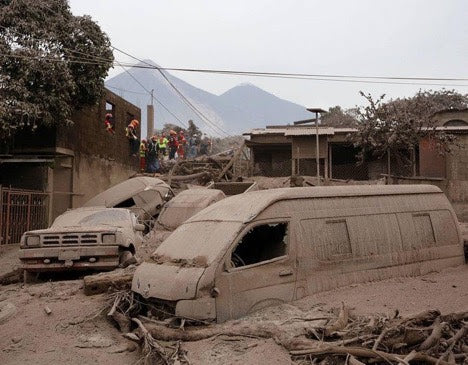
(240,108)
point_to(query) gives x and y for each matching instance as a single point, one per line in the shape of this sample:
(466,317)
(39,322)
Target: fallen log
(12,277)
(113,280)
(163,333)
(185,177)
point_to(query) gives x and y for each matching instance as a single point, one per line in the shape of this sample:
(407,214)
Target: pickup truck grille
(70,239)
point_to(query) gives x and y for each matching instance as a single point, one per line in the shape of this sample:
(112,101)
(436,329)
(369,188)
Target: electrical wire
(126,91)
(204,118)
(156,99)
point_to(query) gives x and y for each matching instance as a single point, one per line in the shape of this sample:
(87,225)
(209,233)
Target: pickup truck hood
(77,229)
(165,281)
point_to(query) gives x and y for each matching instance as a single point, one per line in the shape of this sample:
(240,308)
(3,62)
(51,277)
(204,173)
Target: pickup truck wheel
(30,277)
(126,258)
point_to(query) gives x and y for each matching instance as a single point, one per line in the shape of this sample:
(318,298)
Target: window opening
(126,203)
(261,243)
(110,116)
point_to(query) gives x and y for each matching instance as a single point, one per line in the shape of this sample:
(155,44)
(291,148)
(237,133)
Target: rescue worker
(173,144)
(131,134)
(181,147)
(152,163)
(109,124)
(162,145)
(192,147)
(143,149)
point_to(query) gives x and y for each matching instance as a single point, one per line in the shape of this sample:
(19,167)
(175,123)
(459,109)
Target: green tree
(51,63)
(398,125)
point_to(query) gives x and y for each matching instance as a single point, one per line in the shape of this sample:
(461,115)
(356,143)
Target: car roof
(245,207)
(125,190)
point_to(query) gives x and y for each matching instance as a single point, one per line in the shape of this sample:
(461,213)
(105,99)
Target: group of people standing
(159,148)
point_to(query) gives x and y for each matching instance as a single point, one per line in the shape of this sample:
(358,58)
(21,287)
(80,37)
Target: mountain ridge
(236,110)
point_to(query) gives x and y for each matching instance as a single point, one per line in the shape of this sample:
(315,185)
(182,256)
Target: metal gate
(21,211)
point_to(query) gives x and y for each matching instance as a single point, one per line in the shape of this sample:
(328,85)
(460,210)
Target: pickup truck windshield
(111,217)
(198,240)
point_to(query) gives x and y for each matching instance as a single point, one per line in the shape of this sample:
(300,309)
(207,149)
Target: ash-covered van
(273,246)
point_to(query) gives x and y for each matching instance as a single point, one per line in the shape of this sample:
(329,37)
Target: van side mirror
(139,227)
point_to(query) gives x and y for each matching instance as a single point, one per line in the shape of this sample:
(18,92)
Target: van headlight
(108,238)
(33,241)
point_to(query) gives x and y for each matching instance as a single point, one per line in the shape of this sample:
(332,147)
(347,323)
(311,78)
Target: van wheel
(30,277)
(126,258)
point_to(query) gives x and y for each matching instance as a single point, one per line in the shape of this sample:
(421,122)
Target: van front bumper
(43,259)
(201,309)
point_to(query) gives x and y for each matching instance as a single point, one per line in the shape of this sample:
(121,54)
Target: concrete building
(290,150)
(73,163)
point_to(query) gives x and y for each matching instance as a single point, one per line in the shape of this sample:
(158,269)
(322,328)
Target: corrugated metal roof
(245,207)
(311,131)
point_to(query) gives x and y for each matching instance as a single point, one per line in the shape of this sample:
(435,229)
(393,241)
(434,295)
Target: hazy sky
(414,38)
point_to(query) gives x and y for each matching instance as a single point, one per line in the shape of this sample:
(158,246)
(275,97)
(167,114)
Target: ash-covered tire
(126,258)
(30,277)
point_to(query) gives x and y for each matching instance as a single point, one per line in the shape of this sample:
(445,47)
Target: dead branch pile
(229,165)
(427,337)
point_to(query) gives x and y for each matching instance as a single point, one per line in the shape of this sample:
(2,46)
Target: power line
(204,118)
(125,90)
(320,77)
(157,100)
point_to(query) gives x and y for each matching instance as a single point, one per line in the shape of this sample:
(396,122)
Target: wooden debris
(425,338)
(113,280)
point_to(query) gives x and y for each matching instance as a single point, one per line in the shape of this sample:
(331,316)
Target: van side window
(261,243)
(424,229)
(339,237)
(326,237)
(126,203)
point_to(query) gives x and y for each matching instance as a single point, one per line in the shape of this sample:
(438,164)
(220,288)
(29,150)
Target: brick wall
(88,134)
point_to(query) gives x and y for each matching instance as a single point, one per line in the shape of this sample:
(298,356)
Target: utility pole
(150,118)
(317,112)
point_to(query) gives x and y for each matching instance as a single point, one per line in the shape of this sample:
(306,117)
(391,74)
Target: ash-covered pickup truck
(94,238)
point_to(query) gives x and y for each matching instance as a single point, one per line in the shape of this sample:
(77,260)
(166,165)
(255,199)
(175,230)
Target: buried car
(93,238)
(268,247)
(186,204)
(191,201)
(143,195)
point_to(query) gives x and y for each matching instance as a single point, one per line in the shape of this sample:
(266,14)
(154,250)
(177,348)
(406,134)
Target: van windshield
(197,240)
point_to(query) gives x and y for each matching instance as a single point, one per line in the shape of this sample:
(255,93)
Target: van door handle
(286,272)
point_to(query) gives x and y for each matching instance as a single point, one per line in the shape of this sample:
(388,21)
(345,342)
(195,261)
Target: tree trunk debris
(106,281)
(424,338)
